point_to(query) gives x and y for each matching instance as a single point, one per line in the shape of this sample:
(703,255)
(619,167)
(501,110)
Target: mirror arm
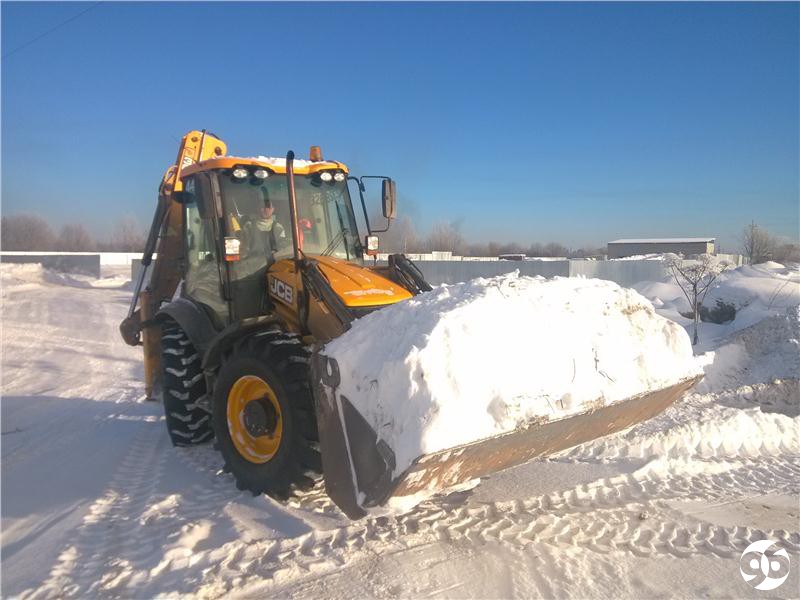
(361,184)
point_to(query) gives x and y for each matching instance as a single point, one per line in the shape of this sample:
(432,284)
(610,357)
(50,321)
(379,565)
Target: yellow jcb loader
(270,266)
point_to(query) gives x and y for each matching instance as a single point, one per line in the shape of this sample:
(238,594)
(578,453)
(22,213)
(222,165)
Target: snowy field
(96,503)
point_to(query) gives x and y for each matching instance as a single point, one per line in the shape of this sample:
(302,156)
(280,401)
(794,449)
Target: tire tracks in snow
(109,540)
(120,546)
(626,513)
(221,487)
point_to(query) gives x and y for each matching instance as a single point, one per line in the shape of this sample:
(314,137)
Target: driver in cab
(264,235)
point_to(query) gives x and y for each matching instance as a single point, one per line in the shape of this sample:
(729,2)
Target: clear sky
(576,123)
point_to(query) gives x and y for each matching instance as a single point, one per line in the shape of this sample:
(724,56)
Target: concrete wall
(136,265)
(119,259)
(87,263)
(84,263)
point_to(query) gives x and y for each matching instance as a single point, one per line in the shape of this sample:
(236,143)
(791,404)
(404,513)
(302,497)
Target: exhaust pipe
(293,208)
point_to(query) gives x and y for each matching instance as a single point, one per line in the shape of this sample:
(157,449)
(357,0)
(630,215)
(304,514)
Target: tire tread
(188,424)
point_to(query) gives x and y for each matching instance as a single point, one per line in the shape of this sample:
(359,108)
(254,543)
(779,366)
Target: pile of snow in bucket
(468,361)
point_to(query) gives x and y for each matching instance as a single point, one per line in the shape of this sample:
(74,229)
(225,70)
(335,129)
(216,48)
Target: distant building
(685,246)
(511,257)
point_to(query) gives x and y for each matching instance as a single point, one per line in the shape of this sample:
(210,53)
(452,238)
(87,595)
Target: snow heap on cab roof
(281,162)
(472,360)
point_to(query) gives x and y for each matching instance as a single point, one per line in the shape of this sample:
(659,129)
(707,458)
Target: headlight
(261,173)
(339,176)
(326,176)
(240,173)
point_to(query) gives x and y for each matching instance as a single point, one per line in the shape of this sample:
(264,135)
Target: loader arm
(165,240)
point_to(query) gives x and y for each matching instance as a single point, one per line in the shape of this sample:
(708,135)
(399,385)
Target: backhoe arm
(165,241)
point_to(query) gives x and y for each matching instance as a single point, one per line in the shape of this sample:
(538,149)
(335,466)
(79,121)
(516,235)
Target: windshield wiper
(343,231)
(335,242)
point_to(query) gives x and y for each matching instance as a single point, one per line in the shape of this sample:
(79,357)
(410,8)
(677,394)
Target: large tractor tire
(264,418)
(183,387)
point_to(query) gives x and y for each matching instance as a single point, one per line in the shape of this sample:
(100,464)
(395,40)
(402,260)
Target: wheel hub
(255,420)
(260,418)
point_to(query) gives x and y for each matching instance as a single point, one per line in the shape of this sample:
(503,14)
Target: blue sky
(576,123)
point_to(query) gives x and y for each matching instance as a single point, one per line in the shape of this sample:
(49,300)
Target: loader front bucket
(358,466)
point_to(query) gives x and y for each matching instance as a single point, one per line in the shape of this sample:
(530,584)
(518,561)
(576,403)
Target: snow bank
(476,359)
(762,353)
(746,406)
(757,292)
(16,277)
(654,256)
(27,276)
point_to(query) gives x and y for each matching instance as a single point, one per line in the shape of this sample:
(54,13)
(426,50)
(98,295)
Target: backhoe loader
(258,263)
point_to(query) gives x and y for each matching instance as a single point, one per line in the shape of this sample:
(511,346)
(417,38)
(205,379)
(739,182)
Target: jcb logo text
(282,291)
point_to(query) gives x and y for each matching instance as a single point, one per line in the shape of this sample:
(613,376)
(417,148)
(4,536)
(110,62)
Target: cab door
(203,276)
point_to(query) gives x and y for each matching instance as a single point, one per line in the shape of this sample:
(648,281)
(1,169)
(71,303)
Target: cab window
(202,278)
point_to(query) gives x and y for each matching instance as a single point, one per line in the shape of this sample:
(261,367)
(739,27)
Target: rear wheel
(264,416)
(184,387)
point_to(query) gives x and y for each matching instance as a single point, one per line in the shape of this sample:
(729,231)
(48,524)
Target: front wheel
(264,416)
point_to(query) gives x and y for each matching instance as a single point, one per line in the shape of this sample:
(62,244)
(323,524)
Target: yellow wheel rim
(254,449)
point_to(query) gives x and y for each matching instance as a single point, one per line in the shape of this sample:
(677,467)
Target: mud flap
(358,467)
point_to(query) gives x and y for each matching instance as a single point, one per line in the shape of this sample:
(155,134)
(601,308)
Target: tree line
(31,233)
(447,237)
(759,245)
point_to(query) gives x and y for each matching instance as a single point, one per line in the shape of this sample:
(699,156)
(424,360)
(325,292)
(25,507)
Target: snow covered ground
(95,501)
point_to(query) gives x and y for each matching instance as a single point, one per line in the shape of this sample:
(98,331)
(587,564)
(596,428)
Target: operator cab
(238,224)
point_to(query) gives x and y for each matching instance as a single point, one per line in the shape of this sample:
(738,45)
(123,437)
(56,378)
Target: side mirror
(389,193)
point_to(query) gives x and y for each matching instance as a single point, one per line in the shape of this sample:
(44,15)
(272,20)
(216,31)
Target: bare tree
(75,238)
(587,253)
(511,248)
(695,277)
(787,252)
(554,249)
(477,249)
(401,236)
(757,244)
(445,237)
(129,235)
(535,249)
(26,233)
